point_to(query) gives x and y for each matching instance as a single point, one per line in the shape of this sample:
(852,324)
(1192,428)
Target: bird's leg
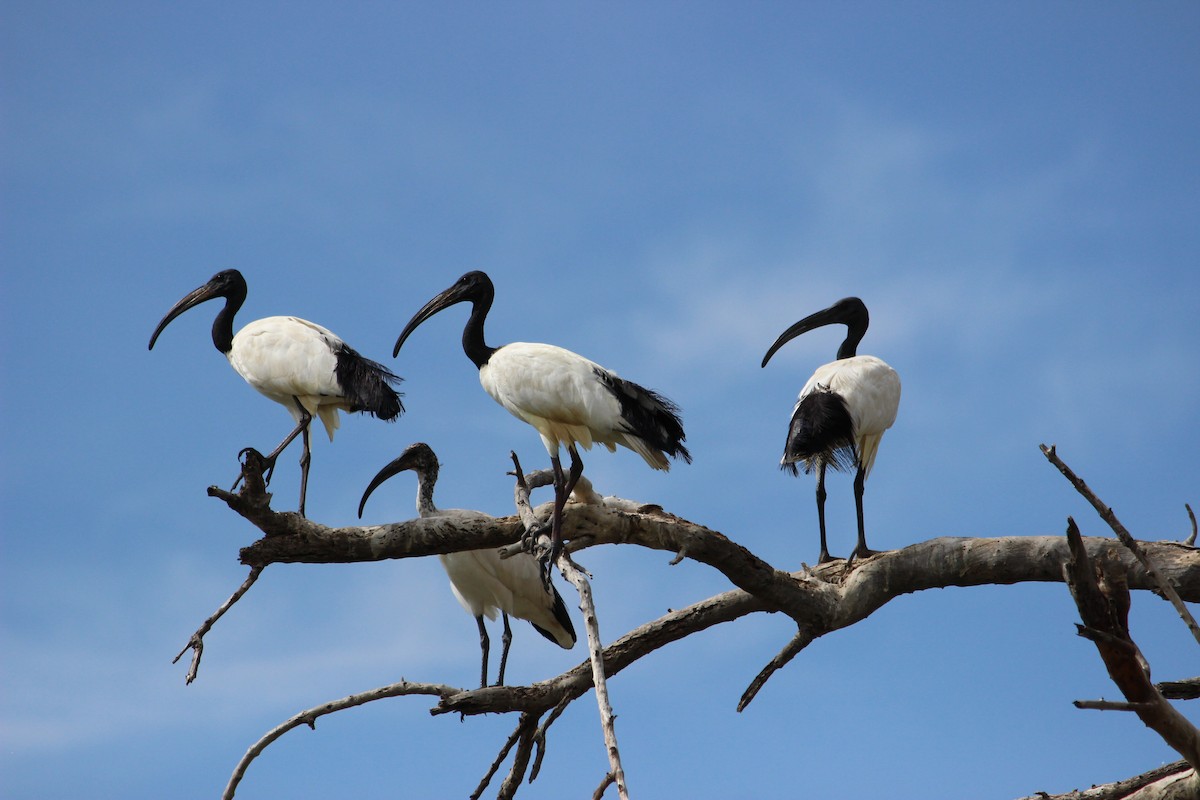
(507,640)
(269,460)
(560,500)
(305,459)
(562,490)
(861,551)
(484,644)
(821,514)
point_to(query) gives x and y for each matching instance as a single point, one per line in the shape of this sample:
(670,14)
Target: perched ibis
(842,411)
(567,398)
(298,364)
(481,580)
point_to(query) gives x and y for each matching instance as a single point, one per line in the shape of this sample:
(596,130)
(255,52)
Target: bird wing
(286,357)
(555,391)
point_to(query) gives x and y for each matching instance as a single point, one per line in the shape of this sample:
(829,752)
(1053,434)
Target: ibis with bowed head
(842,411)
(482,581)
(300,365)
(569,400)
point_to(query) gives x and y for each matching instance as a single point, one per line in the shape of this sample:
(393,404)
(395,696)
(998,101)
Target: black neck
(472,339)
(222,329)
(849,348)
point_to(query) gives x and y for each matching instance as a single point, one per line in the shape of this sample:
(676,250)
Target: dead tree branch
(1106,513)
(587,605)
(819,601)
(309,717)
(196,642)
(1102,598)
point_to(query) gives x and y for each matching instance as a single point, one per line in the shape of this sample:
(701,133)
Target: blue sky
(663,188)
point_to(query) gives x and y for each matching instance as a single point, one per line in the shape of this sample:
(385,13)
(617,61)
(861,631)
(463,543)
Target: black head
(418,457)
(228,284)
(849,311)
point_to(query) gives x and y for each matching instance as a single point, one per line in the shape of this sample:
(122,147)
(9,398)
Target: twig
(1126,538)
(512,782)
(539,738)
(1110,705)
(504,751)
(1103,602)
(1175,771)
(196,643)
(595,650)
(587,605)
(1190,541)
(1188,689)
(608,781)
(801,640)
(310,716)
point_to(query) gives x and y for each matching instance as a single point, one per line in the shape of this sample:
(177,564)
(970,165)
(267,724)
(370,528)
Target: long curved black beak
(849,311)
(455,294)
(193,298)
(408,460)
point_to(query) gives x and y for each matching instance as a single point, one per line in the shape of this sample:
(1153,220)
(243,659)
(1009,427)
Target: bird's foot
(548,559)
(255,461)
(861,553)
(825,558)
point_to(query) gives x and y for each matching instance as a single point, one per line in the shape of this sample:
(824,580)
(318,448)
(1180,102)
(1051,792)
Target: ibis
(300,365)
(482,581)
(842,411)
(568,399)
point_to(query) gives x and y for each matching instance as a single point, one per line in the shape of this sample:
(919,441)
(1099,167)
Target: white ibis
(300,365)
(842,411)
(481,580)
(567,398)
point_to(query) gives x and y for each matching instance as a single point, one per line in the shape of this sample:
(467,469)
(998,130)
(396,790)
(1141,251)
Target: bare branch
(512,782)
(310,716)
(1168,782)
(1110,705)
(1106,513)
(609,780)
(596,657)
(1190,541)
(504,751)
(1188,689)
(1103,603)
(790,651)
(591,624)
(196,643)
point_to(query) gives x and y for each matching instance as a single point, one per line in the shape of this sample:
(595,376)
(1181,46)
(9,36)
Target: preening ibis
(842,411)
(482,581)
(567,398)
(298,364)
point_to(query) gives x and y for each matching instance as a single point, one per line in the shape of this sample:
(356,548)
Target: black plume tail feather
(367,385)
(560,614)
(821,433)
(648,415)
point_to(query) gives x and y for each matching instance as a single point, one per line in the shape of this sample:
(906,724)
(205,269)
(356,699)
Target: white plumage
(303,366)
(559,393)
(567,398)
(289,359)
(871,390)
(483,582)
(842,412)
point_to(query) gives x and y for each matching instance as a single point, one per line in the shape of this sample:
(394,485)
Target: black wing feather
(560,614)
(821,433)
(648,415)
(366,384)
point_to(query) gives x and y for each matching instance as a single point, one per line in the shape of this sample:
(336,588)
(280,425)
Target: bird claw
(256,461)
